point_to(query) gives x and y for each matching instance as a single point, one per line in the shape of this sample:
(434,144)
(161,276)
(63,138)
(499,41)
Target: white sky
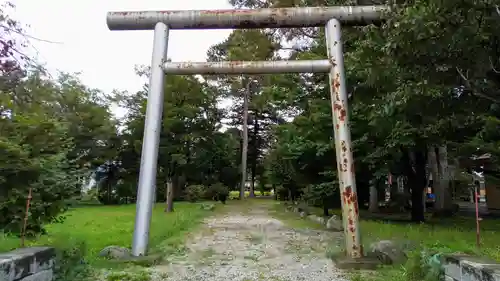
(106,59)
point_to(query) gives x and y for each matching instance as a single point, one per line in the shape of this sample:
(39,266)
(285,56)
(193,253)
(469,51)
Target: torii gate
(329,17)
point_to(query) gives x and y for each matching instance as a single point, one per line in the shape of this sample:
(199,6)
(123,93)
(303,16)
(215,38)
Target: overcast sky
(106,58)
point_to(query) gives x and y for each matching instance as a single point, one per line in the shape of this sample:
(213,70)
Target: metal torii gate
(329,17)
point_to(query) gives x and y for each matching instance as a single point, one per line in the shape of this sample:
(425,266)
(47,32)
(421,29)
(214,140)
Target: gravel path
(252,245)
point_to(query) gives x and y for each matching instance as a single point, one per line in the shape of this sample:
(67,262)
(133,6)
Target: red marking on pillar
(347,192)
(343,114)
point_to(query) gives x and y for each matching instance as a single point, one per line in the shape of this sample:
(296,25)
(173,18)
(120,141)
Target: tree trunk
(244,150)
(434,174)
(373,199)
(453,179)
(414,169)
(256,152)
(325,210)
(108,188)
(420,181)
(169,196)
(438,160)
(424,198)
(444,177)
(394,189)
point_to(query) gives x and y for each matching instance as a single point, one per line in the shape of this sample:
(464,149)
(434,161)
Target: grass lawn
(446,235)
(449,235)
(101,226)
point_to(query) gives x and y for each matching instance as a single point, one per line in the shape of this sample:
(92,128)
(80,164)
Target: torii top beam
(246,18)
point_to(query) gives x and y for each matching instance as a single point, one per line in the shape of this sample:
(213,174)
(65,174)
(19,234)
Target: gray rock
(303,207)
(317,219)
(334,224)
(46,275)
(303,214)
(388,252)
(208,207)
(115,252)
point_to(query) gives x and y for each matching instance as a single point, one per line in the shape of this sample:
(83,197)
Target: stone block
(45,275)
(364,263)
(469,268)
(23,262)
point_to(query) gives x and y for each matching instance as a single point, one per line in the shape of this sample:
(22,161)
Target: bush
(282,193)
(223,193)
(90,197)
(52,178)
(218,191)
(194,193)
(70,263)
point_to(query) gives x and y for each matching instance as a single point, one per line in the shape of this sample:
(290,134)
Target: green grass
(101,226)
(448,235)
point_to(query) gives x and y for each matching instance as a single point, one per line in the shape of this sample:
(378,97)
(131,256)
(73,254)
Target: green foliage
(51,132)
(263,107)
(192,149)
(322,195)
(427,76)
(418,267)
(411,83)
(44,149)
(218,191)
(128,276)
(194,193)
(102,226)
(70,262)
(282,193)
(90,197)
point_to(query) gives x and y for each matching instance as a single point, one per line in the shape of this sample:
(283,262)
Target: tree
(48,147)
(192,150)
(48,134)
(250,95)
(391,83)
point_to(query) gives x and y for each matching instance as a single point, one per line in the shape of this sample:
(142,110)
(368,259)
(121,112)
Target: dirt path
(250,244)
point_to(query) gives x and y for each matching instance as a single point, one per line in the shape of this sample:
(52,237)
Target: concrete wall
(28,264)
(467,268)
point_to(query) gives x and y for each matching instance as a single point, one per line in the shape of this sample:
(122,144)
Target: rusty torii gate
(329,17)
